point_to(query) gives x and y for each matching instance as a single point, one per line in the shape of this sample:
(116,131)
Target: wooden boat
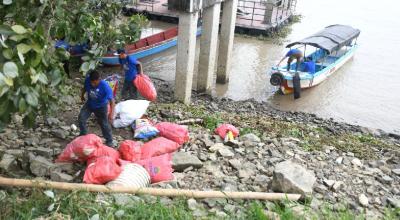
(146,46)
(332,48)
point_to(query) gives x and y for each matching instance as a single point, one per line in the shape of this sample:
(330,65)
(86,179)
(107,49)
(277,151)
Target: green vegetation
(84,205)
(31,69)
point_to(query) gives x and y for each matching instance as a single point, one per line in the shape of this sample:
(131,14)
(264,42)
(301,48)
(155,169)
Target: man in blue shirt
(99,95)
(292,54)
(132,67)
(309,66)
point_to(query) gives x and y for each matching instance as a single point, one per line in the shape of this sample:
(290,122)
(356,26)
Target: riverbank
(356,170)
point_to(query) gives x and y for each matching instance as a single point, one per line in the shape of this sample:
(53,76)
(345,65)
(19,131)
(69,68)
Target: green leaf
(3,90)
(43,78)
(7,2)
(21,58)
(10,69)
(31,99)
(6,30)
(55,77)
(22,106)
(18,37)
(7,53)
(9,81)
(85,67)
(23,48)
(18,29)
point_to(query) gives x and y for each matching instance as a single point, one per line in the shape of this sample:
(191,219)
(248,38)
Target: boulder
(225,152)
(40,166)
(290,177)
(61,177)
(250,138)
(8,163)
(183,160)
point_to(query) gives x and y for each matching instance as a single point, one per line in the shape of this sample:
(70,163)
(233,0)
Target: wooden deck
(250,19)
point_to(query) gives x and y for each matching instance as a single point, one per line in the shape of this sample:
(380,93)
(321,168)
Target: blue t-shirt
(99,96)
(309,66)
(130,67)
(62,44)
(293,51)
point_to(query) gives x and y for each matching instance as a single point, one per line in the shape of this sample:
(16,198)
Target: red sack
(159,168)
(174,132)
(103,151)
(223,129)
(158,146)
(102,170)
(130,150)
(80,149)
(145,87)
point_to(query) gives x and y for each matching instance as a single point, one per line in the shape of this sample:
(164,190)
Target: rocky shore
(337,165)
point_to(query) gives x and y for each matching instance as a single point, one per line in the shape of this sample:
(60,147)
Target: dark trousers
(129,90)
(102,119)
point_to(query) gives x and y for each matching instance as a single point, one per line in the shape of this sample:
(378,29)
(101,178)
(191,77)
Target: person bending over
(293,54)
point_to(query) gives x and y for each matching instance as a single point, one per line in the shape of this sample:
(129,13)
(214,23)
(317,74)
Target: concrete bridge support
(208,47)
(226,40)
(185,56)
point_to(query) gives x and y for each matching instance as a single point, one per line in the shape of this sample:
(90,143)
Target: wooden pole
(149,191)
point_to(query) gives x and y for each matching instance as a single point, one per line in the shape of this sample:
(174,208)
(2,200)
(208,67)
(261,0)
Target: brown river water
(365,91)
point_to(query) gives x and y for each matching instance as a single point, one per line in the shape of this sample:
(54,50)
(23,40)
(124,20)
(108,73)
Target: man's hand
(110,118)
(83,97)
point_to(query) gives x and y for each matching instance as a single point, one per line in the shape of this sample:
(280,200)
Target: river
(365,91)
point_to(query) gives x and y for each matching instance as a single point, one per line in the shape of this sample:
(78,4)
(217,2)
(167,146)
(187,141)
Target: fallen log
(190,121)
(148,191)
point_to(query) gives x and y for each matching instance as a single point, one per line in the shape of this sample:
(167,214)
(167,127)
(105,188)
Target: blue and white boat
(331,48)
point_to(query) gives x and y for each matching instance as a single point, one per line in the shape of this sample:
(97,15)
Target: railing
(144,5)
(255,7)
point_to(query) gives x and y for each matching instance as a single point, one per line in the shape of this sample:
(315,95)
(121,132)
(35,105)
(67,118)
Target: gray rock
(221,215)
(394,202)
(396,171)
(385,179)
(339,160)
(183,160)
(64,167)
(52,121)
(356,162)
(292,178)
(216,147)
(60,133)
(192,204)
(271,215)
(8,163)
(337,186)
(250,137)
(235,163)
(40,166)
(119,213)
(225,152)
(329,183)
(363,200)
(229,208)
(125,199)
(42,151)
(61,177)
(32,141)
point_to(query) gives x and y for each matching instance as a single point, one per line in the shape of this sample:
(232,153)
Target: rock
(8,163)
(60,133)
(40,166)
(32,141)
(250,137)
(396,171)
(363,200)
(216,147)
(64,167)
(183,160)
(119,213)
(235,163)
(226,152)
(42,151)
(356,162)
(61,177)
(233,143)
(125,199)
(386,179)
(339,160)
(393,202)
(192,204)
(221,215)
(73,127)
(52,121)
(328,183)
(229,208)
(292,178)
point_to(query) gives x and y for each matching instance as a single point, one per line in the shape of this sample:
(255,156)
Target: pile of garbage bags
(134,163)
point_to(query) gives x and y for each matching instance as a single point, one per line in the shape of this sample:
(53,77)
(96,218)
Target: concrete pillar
(226,40)
(185,56)
(208,47)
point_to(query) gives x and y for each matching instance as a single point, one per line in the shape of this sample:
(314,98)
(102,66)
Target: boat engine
(276,79)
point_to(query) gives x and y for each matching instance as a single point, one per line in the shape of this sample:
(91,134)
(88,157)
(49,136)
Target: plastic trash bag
(174,132)
(144,129)
(102,170)
(158,146)
(80,149)
(223,129)
(159,168)
(125,113)
(145,87)
(130,150)
(104,151)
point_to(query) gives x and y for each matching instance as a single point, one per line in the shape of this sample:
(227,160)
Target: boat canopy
(331,38)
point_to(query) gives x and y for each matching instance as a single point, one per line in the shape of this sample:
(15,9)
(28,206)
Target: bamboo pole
(149,191)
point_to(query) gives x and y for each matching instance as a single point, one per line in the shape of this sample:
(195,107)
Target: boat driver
(293,54)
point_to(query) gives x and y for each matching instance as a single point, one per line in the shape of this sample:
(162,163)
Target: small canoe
(147,46)
(331,49)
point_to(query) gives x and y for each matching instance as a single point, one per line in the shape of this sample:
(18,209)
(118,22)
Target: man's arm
(281,60)
(111,113)
(139,67)
(83,91)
